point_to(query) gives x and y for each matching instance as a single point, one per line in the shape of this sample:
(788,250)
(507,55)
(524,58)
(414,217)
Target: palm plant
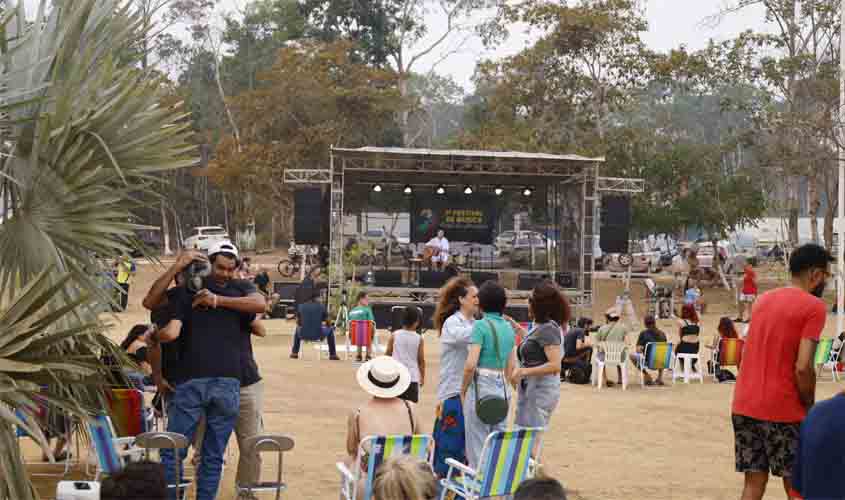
(82,136)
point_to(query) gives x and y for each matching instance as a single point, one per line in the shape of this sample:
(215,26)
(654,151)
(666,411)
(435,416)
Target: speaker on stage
(388,278)
(615,224)
(310,217)
(286,291)
(527,281)
(433,279)
(479,278)
(565,279)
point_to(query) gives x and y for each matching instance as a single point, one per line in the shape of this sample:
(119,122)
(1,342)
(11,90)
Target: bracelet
(215,301)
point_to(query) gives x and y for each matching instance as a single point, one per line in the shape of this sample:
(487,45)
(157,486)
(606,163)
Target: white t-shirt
(441,243)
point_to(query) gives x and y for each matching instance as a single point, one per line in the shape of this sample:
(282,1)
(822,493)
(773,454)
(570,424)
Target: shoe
(294,355)
(334,358)
(739,320)
(650,383)
(608,383)
(358,358)
(660,383)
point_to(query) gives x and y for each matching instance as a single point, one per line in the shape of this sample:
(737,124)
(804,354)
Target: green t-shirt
(611,332)
(361,313)
(483,336)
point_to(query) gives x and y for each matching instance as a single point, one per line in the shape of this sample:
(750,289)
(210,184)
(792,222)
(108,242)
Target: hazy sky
(671,23)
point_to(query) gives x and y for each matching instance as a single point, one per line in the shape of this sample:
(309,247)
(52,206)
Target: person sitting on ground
(405,477)
(311,321)
(540,489)
(137,481)
(689,331)
(384,414)
(649,335)
(613,331)
(407,347)
(362,311)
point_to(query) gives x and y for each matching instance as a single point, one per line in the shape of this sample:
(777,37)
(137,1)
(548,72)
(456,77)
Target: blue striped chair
(505,462)
(656,356)
(372,452)
(110,455)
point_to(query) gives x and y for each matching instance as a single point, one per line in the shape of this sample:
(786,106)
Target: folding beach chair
(41,414)
(826,357)
(505,462)
(127,412)
(375,450)
(108,447)
(361,332)
(728,354)
(656,356)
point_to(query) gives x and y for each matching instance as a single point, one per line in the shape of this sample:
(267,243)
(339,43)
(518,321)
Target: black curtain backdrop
(468,218)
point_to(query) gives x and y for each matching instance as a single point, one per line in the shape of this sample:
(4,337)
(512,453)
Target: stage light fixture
(499,190)
(377,188)
(468,189)
(527,191)
(408,189)
(440,190)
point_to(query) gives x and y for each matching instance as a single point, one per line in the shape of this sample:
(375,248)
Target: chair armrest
(451,462)
(344,471)
(129,440)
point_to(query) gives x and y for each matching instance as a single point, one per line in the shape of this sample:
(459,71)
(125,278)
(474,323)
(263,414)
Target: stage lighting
(468,189)
(527,191)
(408,189)
(377,188)
(499,190)
(440,190)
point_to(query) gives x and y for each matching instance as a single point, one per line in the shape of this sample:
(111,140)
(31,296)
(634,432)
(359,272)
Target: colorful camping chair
(728,354)
(826,357)
(375,450)
(108,447)
(126,409)
(505,462)
(361,332)
(527,325)
(656,356)
(39,410)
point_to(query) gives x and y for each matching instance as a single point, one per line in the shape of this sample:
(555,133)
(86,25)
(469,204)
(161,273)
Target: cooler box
(78,490)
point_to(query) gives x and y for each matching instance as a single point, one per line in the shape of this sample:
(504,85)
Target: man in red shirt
(748,294)
(777,383)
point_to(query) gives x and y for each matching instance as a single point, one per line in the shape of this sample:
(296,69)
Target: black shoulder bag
(492,409)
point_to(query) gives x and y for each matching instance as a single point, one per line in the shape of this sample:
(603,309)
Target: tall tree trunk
(165,230)
(793,211)
(405,112)
(815,205)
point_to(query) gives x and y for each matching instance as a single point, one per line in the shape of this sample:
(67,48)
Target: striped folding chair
(506,460)
(108,447)
(372,452)
(729,354)
(825,357)
(527,325)
(126,409)
(656,356)
(361,332)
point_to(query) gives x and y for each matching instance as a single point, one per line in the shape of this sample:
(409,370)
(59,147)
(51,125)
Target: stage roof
(463,153)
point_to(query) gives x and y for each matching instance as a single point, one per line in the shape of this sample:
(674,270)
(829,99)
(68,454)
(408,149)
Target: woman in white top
(407,347)
(454,319)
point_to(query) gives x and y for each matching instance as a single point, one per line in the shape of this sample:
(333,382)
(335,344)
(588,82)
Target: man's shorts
(765,446)
(750,297)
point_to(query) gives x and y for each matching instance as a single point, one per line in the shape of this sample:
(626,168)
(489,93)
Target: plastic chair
(318,342)
(266,444)
(656,356)
(377,449)
(166,441)
(614,355)
(688,372)
(505,462)
(826,357)
(361,332)
(729,353)
(108,447)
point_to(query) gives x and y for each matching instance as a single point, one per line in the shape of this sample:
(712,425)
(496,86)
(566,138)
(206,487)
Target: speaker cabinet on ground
(527,282)
(615,224)
(433,279)
(310,222)
(479,278)
(565,280)
(286,291)
(388,278)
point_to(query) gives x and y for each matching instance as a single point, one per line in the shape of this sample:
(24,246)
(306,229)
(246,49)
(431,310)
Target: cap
(223,247)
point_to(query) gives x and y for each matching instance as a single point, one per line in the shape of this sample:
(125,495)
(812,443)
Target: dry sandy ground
(659,443)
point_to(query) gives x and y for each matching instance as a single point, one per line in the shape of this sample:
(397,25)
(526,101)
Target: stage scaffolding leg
(589,233)
(337,277)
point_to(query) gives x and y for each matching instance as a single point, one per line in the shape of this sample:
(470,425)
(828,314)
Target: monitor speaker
(565,280)
(479,278)
(388,278)
(433,279)
(615,224)
(310,218)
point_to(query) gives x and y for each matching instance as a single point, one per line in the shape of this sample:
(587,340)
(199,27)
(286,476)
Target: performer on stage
(438,248)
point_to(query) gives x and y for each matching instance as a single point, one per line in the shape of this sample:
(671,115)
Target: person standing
(454,319)
(441,246)
(777,383)
(490,363)
(407,347)
(362,312)
(749,293)
(125,270)
(817,474)
(210,363)
(538,376)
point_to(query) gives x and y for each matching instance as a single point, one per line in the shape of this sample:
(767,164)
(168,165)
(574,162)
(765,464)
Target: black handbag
(491,409)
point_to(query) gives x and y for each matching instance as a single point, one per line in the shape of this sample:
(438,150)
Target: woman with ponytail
(454,319)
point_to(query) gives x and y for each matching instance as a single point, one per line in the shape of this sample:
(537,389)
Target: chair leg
(599,375)
(624,370)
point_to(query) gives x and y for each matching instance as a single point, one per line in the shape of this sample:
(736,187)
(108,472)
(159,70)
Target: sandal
(608,383)
(650,383)
(660,383)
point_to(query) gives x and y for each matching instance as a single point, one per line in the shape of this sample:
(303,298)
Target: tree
(83,133)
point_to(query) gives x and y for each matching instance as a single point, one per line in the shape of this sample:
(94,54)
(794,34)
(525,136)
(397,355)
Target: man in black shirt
(212,354)
(575,342)
(650,335)
(310,320)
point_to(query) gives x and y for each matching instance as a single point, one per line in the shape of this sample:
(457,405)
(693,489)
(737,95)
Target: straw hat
(384,377)
(613,312)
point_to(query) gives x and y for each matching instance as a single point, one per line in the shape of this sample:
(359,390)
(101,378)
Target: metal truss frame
(620,184)
(307,176)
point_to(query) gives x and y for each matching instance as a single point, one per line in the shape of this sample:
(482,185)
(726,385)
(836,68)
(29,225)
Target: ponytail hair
(449,302)
(134,333)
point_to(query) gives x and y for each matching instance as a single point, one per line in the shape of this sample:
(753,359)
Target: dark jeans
(124,295)
(327,333)
(585,353)
(216,399)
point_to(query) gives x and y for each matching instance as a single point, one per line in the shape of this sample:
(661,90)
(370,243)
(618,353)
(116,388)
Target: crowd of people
(199,355)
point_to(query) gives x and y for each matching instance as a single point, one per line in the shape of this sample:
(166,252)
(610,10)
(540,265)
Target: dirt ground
(655,443)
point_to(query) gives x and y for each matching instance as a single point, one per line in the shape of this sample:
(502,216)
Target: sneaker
(294,355)
(334,358)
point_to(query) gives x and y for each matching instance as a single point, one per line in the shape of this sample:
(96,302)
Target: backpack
(579,373)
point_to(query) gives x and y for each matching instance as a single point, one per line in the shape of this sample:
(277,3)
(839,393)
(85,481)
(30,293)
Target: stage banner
(464,218)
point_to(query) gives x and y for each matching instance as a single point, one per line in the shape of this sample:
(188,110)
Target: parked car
(727,253)
(203,237)
(643,261)
(504,242)
(507,241)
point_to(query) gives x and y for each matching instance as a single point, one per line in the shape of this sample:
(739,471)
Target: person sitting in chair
(649,335)
(310,321)
(577,348)
(613,331)
(440,246)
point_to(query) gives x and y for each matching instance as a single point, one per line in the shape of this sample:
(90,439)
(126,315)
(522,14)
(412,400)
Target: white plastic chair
(614,355)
